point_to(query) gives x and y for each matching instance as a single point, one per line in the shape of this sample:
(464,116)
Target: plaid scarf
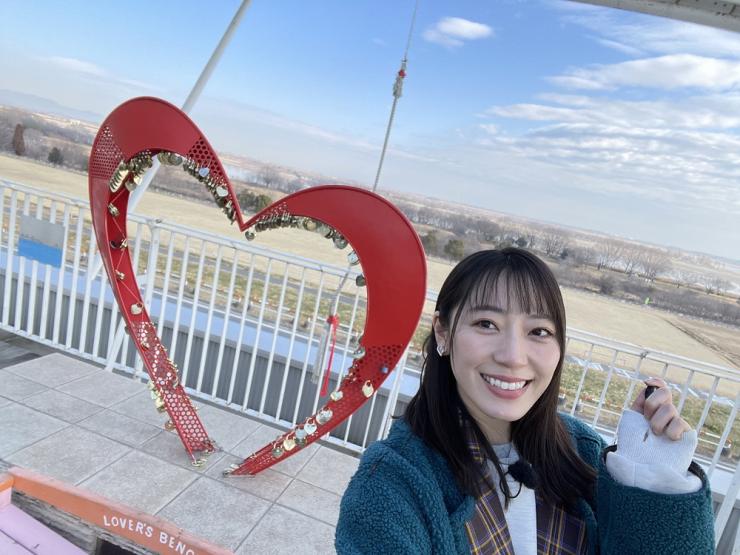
(558,532)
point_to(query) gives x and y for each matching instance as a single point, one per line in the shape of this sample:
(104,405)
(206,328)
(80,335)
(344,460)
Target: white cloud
(620,47)
(666,151)
(94,71)
(454,31)
(675,71)
(80,66)
(489,128)
(707,112)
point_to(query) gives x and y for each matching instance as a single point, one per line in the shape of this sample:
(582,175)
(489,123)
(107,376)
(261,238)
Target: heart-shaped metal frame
(389,250)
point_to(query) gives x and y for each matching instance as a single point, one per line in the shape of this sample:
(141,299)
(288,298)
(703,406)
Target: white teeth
(504,385)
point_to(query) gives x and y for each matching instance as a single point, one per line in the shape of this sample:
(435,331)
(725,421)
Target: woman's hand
(660,412)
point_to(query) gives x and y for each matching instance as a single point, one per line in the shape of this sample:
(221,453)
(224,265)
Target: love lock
(383,243)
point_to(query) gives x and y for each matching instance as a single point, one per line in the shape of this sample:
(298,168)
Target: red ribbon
(334,321)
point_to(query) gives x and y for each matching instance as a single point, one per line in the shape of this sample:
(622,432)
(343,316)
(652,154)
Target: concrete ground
(73,421)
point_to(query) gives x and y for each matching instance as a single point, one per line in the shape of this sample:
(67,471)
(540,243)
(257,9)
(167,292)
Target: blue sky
(553,110)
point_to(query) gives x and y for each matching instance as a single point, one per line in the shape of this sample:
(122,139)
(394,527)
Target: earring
(441,349)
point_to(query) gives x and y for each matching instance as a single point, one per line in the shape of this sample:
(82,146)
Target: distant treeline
(609,266)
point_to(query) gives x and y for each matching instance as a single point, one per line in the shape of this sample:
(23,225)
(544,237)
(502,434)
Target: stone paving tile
(17,388)
(21,426)
(226,428)
(71,455)
(103,388)
(141,407)
(284,531)
(141,481)
(9,354)
(312,501)
(216,512)
(342,467)
(168,447)
(266,434)
(268,484)
(53,370)
(62,406)
(120,427)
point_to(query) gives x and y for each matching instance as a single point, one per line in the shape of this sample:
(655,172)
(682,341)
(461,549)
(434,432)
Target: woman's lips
(506,387)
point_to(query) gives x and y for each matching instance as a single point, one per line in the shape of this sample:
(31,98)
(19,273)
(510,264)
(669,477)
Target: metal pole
(385,142)
(397,91)
(205,75)
(194,95)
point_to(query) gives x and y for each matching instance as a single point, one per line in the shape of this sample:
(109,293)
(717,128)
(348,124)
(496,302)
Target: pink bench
(21,534)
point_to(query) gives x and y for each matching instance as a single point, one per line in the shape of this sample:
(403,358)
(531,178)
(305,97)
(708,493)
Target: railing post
(393,395)
(728,503)
(9,262)
(586,365)
(21,280)
(725,435)
(116,345)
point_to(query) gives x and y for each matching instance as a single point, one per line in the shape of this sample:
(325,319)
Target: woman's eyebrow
(499,310)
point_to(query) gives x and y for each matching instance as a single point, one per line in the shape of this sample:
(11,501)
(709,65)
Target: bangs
(515,288)
(510,279)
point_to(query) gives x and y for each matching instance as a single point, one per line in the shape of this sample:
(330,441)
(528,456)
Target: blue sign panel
(41,240)
(39,251)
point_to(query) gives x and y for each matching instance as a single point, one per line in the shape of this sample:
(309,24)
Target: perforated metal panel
(385,243)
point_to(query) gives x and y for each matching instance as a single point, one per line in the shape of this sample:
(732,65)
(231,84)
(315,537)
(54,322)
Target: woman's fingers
(659,410)
(640,402)
(661,397)
(661,418)
(676,428)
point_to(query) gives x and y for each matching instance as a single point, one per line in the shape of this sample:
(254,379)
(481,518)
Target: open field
(646,327)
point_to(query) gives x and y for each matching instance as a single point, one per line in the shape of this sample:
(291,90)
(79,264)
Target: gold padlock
(368,389)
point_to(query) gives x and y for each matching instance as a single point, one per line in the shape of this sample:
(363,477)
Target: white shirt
(521,516)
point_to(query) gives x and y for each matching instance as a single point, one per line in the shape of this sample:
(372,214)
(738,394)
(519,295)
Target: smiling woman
(481,461)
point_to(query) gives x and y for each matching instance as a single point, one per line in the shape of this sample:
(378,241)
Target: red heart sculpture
(389,250)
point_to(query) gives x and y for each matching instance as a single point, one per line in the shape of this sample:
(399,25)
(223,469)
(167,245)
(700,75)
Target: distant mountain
(45,105)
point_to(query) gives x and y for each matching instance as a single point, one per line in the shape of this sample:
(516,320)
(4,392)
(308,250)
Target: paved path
(75,422)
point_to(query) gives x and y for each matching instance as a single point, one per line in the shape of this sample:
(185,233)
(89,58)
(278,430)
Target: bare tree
(610,254)
(554,241)
(654,262)
(687,278)
(582,256)
(270,177)
(36,144)
(6,135)
(631,257)
(410,210)
(715,284)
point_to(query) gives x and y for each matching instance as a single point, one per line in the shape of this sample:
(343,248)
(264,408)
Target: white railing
(247,325)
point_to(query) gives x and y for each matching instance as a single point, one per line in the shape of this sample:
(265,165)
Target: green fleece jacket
(404,499)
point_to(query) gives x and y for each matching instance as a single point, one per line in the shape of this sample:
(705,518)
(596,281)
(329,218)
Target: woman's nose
(511,351)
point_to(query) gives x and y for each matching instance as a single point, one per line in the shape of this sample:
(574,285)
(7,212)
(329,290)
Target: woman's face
(502,359)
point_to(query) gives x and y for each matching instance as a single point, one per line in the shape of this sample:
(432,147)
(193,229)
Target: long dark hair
(437,414)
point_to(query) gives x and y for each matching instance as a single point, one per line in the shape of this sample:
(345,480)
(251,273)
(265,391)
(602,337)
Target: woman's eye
(486,324)
(542,332)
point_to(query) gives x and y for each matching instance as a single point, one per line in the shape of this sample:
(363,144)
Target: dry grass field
(646,327)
